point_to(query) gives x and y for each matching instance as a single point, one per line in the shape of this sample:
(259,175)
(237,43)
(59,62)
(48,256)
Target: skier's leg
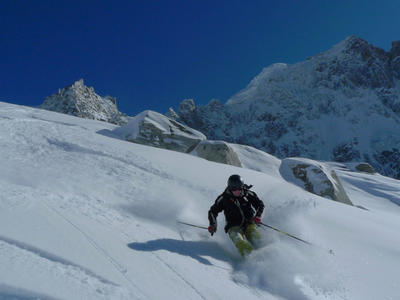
(236,235)
(252,235)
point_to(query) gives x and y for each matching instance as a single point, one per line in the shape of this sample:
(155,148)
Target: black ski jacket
(238,211)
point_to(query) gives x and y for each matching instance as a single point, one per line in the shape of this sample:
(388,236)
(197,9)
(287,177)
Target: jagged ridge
(82,101)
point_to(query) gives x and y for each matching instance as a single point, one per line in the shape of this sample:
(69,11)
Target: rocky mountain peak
(356,63)
(82,101)
(79,83)
(356,44)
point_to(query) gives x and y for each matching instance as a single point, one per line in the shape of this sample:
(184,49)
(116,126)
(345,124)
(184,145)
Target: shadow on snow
(197,250)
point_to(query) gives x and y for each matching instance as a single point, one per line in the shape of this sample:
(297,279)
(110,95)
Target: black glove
(212,229)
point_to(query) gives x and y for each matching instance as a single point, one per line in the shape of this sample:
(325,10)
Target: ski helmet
(235,182)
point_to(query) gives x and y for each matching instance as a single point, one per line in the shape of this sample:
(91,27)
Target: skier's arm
(257,203)
(215,209)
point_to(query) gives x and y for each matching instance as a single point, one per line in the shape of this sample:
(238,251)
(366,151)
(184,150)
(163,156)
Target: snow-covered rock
(315,177)
(154,129)
(82,101)
(361,167)
(341,105)
(257,160)
(238,155)
(217,151)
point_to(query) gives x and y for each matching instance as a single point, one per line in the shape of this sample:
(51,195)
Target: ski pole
(294,237)
(197,226)
(285,233)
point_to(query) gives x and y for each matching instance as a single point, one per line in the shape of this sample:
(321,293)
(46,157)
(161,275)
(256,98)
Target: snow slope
(84,215)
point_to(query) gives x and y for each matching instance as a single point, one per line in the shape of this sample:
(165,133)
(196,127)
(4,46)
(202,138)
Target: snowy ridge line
(71,147)
(53,258)
(122,270)
(38,118)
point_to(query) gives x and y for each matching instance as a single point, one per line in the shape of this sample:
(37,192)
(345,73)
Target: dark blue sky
(153,54)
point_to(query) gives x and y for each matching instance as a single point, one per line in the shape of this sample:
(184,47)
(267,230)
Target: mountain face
(82,101)
(341,105)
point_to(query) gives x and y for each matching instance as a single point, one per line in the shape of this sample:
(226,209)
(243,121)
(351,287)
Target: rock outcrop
(217,151)
(154,129)
(315,177)
(365,168)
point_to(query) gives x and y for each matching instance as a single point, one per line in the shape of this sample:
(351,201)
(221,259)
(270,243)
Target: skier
(243,210)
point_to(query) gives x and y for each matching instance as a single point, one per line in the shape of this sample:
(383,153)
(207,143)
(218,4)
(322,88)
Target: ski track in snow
(51,257)
(121,269)
(13,293)
(170,267)
(181,277)
(31,261)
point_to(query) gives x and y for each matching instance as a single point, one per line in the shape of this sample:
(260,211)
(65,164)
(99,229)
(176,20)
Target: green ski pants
(245,239)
